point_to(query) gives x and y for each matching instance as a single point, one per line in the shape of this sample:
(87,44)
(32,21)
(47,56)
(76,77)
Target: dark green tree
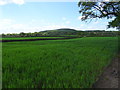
(90,10)
(22,34)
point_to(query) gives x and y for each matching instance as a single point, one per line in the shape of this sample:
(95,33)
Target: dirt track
(110,77)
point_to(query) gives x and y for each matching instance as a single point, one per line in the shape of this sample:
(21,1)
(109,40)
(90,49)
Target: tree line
(95,33)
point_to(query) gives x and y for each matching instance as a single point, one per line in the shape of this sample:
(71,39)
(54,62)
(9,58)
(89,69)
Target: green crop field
(70,63)
(21,38)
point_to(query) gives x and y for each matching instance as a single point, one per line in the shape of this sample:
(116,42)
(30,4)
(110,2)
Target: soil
(110,77)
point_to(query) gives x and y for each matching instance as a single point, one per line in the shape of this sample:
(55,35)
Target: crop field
(70,63)
(21,38)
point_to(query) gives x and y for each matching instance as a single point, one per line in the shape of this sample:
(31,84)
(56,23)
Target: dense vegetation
(109,10)
(66,32)
(72,63)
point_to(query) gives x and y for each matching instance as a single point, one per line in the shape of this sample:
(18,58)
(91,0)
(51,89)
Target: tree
(22,34)
(3,35)
(90,10)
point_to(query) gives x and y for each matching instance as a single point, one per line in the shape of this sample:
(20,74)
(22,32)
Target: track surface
(110,77)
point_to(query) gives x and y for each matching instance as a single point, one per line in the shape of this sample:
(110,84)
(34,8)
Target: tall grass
(0,65)
(73,63)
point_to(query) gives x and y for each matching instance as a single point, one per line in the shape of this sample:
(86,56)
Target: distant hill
(66,29)
(62,31)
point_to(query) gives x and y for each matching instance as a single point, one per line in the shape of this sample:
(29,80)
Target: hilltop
(62,31)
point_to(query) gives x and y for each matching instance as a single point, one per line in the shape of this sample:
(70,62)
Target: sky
(38,15)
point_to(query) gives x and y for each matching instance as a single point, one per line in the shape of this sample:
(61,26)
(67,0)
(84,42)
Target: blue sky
(23,16)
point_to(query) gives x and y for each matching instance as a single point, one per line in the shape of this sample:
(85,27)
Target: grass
(0,65)
(72,63)
(21,38)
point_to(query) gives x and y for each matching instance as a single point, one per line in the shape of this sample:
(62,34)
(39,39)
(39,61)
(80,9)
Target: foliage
(64,33)
(90,10)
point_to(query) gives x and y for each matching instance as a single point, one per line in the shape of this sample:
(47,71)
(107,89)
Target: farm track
(37,39)
(110,76)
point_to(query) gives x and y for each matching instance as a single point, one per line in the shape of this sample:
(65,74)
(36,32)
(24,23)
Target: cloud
(13,26)
(96,22)
(64,18)
(106,0)
(2,2)
(10,25)
(80,17)
(19,2)
(81,25)
(17,26)
(5,23)
(96,0)
(67,22)
(52,0)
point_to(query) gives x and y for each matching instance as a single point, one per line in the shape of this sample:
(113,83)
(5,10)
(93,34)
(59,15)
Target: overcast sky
(35,15)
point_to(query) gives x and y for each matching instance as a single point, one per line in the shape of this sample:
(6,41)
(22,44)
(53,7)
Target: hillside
(62,31)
